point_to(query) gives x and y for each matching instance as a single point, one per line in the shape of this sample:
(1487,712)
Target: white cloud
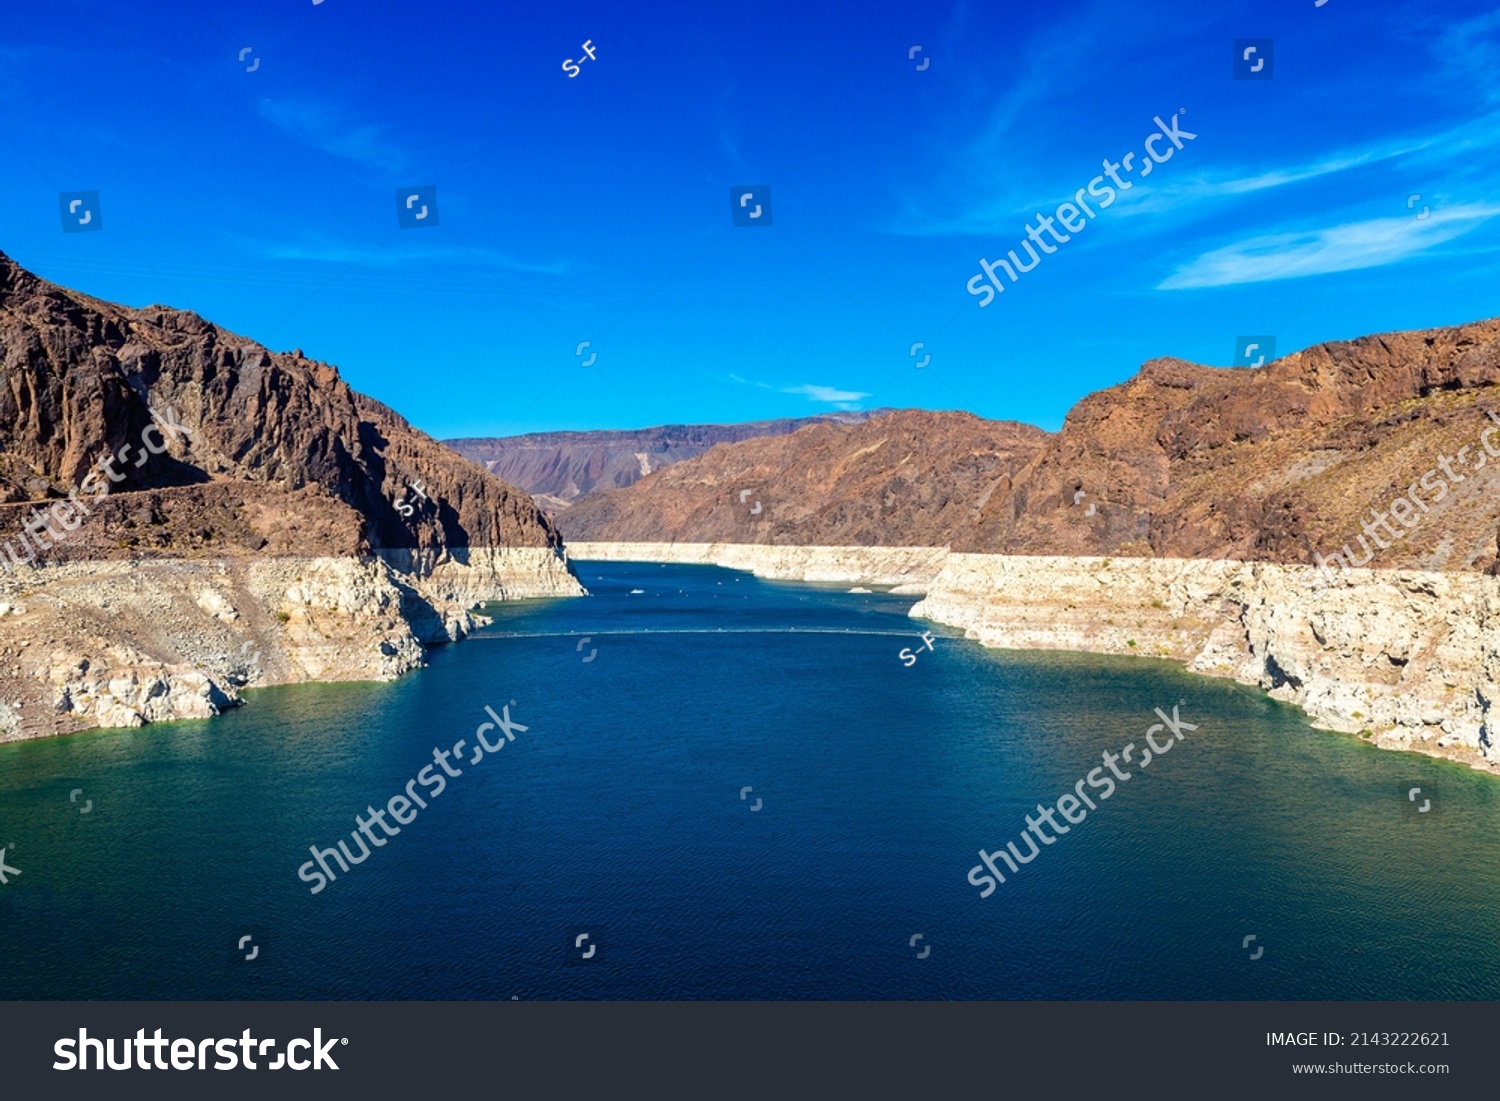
(1456,146)
(1347,247)
(839,399)
(1007,215)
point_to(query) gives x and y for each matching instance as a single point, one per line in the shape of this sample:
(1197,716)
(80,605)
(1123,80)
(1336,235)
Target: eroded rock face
(1275,463)
(134,698)
(120,643)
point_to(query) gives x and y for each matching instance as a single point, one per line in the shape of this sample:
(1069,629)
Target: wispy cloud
(1232,183)
(1456,146)
(1347,247)
(1049,72)
(984,132)
(332,251)
(1211,189)
(1050,62)
(331,130)
(847,400)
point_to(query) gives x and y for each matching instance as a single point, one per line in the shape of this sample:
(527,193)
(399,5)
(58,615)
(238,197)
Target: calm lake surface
(618,814)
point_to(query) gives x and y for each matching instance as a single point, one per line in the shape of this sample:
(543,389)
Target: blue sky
(597,207)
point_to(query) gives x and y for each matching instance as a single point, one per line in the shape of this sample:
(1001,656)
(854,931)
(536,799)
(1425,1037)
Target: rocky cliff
(229,500)
(81,379)
(1276,463)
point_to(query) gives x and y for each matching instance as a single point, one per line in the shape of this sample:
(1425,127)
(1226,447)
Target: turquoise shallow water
(618,814)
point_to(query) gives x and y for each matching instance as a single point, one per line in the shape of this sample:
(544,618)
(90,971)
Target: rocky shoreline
(909,569)
(1409,659)
(124,642)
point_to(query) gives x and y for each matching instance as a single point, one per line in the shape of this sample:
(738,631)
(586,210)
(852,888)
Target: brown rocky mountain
(79,379)
(909,476)
(558,467)
(1274,463)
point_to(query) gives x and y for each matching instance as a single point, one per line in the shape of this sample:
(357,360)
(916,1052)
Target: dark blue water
(618,814)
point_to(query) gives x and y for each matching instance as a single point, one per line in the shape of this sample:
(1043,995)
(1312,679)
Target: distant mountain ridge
(557,468)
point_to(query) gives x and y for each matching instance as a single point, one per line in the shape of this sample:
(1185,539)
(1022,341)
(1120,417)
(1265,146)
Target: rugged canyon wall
(83,380)
(122,642)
